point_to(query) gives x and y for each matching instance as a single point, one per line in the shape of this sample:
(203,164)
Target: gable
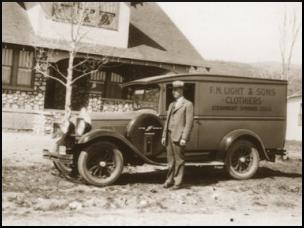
(163,38)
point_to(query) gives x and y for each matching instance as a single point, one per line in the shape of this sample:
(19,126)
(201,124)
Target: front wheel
(242,160)
(100,164)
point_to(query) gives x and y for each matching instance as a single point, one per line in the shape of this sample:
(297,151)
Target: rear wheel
(242,160)
(100,164)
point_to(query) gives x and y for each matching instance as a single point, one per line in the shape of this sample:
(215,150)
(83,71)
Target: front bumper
(54,156)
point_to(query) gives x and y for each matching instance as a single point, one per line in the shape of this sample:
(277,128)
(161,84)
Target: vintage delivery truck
(238,122)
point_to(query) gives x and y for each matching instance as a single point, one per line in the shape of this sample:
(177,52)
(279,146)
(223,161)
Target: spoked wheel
(242,160)
(100,164)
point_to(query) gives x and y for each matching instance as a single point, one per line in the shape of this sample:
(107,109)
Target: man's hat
(178,84)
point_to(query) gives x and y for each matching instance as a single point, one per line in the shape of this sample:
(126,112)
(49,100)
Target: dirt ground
(33,193)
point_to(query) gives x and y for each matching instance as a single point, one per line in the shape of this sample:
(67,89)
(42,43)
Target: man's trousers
(176,162)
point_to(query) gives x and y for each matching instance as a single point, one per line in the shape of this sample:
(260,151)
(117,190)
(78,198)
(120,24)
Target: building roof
(16,26)
(152,37)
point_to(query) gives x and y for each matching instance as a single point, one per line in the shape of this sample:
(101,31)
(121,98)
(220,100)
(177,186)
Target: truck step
(212,163)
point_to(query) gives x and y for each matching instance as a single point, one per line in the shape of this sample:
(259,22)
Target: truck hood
(119,115)
(115,121)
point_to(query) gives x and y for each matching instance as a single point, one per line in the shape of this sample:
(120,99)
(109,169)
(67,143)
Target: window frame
(15,67)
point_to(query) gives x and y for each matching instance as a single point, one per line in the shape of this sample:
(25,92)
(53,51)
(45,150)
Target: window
(107,84)
(300,116)
(145,96)
(116,78)
(189,91)
(24,75)
(114,88)
(17,66)
(7,65)
(97,14)
(97,80)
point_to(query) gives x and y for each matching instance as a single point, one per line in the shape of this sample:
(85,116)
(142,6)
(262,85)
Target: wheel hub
(102,164)
(242,159)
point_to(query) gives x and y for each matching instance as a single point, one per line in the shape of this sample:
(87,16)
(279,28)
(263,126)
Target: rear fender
(232,136)
(108,135)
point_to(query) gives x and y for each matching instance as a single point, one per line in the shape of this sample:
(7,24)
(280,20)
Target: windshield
(144,97)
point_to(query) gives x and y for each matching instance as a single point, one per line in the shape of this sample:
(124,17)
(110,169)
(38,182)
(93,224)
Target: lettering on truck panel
(245,99)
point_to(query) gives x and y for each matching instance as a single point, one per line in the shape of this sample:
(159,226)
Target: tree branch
(82,62)
(78,40)
(81,19)
(49,76)
(83,75)
(57,70)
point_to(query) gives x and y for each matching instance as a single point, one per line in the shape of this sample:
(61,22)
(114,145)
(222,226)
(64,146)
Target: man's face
(177,92)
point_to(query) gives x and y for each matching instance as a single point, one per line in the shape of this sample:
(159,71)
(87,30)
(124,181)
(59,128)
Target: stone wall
(98,104)
(25,99)
(22,108)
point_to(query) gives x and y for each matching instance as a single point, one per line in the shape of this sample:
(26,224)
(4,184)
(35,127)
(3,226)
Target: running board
(213,163)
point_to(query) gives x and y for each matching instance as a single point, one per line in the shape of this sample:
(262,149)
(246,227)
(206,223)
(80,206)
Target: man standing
(176,133)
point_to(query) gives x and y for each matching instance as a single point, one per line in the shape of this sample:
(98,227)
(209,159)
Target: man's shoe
(177,187)
(167,185)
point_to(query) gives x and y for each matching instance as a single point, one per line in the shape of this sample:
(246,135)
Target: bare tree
(76,16)
(289,30)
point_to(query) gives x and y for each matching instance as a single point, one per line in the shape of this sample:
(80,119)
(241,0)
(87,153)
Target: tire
(62,168)
(100,164)
(242,160)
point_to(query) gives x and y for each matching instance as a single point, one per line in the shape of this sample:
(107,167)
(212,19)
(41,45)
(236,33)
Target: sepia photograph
(151,113)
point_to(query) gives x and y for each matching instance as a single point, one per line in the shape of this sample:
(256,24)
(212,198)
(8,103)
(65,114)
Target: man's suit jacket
(179,121)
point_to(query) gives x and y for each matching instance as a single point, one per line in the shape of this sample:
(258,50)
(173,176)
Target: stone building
(138,39)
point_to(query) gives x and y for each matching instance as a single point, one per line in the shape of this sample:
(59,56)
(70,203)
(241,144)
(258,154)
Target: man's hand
(163,141)
(182,142)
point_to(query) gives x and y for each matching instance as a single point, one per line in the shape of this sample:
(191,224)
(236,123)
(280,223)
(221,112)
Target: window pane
(98,76)
(6,75)
(24,77)
(300,116)
(116,78)
(26,59)
(7,56)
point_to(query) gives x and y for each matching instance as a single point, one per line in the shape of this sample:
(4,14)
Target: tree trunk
(68,94)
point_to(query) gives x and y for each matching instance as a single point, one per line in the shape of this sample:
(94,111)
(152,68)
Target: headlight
(67,127)
(83,123)
(82,127)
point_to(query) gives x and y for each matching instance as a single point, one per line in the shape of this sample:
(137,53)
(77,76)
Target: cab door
(190,93)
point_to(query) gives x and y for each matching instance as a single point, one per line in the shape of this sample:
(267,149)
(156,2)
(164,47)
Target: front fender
(101,133)
(232,136)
